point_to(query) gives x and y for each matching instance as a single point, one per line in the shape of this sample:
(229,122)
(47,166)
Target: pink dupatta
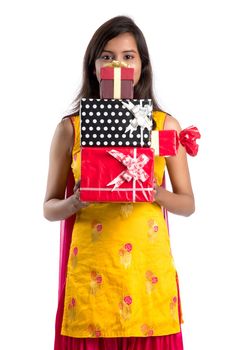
(66,227)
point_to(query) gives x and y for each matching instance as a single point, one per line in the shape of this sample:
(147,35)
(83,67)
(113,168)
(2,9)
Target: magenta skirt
(166,342)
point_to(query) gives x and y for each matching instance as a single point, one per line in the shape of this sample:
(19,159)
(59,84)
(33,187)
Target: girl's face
(121,48)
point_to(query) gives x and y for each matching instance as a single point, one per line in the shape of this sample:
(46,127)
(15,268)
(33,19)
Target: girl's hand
(78,203)
(77,186)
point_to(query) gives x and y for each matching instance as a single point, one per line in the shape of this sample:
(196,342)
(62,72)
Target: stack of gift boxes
(117,148)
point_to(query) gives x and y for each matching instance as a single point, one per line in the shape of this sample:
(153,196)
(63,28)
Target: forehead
(123,42)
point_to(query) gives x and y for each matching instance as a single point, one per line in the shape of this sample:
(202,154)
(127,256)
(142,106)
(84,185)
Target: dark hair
(106,32)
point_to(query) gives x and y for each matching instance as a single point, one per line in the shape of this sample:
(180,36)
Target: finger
(77,186)
(84,204)
(77,194)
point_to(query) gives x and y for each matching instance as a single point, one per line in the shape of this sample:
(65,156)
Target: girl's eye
(106,57)
(128,57)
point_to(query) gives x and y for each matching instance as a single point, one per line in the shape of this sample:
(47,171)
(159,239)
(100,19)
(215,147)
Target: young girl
(118,283)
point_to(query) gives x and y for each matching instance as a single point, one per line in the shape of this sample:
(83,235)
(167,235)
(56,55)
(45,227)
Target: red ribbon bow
(188,139)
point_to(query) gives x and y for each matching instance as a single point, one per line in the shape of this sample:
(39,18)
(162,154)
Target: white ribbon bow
(142,118)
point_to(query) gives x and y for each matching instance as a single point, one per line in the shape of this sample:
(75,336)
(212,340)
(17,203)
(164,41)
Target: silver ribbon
(142,118)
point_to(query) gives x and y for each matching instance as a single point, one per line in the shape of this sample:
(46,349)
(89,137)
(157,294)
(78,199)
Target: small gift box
(122,174)
(165,142)
(116,81)
(116,122)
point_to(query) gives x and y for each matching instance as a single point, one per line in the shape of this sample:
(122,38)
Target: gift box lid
(126,73)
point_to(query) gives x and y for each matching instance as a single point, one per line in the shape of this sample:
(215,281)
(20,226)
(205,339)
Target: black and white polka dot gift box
(116,122)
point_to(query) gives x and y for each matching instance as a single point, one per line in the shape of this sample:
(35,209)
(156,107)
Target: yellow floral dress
(121,278)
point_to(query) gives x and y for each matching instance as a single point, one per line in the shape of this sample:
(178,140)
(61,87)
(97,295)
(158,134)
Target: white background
(42,47)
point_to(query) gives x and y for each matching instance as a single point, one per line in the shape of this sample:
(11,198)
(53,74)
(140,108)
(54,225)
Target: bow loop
(188,138)
(116,64)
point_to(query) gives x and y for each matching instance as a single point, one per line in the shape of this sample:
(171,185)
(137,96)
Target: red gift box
(165,142)
(123,174)
(116,82)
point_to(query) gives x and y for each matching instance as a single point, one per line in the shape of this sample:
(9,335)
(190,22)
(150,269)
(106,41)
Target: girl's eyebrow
(109,51)
(130,51)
